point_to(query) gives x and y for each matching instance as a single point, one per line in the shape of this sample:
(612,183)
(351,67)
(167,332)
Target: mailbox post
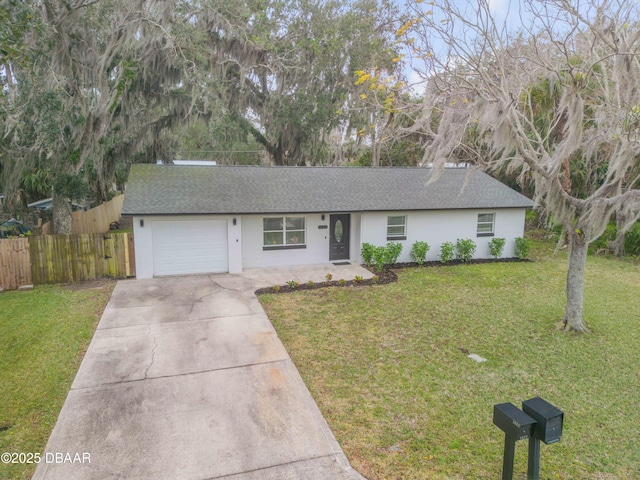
(548,428)
(516,425)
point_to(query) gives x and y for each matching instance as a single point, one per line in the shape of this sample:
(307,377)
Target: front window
(397,227)
(486,223)
(283,232)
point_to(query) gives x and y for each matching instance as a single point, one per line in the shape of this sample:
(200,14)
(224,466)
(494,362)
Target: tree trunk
(578,248)
(618,243)
(62,219)
(375,150)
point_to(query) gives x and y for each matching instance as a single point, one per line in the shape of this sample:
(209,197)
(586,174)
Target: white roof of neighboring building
(47,203)
(202,163)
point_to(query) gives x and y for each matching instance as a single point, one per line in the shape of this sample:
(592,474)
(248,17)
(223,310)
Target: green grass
(44,334)
(388,368)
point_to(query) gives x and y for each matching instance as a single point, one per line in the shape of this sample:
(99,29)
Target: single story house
(191,219)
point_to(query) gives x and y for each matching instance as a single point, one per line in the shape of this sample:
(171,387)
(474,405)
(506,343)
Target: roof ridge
(307,167)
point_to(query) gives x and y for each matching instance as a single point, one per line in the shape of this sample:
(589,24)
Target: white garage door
(189,246)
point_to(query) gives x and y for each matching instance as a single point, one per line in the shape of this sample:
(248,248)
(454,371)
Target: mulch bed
(437,263)
(380,278)
(386,276)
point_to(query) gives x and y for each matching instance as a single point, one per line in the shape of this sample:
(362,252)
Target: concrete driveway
(186,378)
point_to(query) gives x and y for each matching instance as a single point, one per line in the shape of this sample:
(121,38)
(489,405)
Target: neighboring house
(191,219)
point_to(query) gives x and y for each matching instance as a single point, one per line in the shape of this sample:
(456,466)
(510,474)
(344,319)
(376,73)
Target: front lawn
(388,367)
(44,334)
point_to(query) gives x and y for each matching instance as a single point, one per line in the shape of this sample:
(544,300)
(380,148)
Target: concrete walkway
(186,378)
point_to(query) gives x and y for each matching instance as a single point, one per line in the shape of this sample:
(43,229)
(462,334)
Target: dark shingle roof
(167,189)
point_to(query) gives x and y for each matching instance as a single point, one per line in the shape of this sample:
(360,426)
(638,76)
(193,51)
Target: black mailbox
(513,421)
(549,419)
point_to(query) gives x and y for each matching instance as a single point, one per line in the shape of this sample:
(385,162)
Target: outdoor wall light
(322,217)
(141,223)
(234,221)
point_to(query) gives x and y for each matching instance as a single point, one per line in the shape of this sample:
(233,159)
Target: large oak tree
(94,82)
(92,85)
(287,67)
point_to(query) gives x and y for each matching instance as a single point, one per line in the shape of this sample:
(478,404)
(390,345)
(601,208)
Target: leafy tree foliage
(97,81)
(288,66)
(90,86)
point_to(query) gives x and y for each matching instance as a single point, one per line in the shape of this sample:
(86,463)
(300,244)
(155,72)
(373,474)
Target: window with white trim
(283,232)
(397,227)
(486,223)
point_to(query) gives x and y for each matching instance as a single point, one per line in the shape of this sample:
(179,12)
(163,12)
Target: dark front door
(339,229)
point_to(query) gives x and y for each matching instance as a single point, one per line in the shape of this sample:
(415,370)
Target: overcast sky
(501,9)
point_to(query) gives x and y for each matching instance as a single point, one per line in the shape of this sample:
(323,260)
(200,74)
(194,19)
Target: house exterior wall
(143,240)
(245,239)
(317,242)
(438,226)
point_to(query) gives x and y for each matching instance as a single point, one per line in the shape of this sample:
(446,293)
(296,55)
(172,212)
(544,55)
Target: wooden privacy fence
(15,264)
(67,258)
(96,220)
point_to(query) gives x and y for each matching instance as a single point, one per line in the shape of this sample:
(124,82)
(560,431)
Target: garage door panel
(189,246)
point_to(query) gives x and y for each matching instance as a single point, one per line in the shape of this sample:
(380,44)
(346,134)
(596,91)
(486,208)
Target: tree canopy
(554,102)
(287,67)
(90,86)
(93,83)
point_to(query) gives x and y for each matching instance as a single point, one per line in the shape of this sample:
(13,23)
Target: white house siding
(438,226)
(143,238)
(245,248)
(317,242)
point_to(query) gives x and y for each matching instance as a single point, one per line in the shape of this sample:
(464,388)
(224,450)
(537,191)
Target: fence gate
(15,265)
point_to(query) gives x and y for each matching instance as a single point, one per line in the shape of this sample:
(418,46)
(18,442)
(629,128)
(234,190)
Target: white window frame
(284,231)
(484,223)
(403,235)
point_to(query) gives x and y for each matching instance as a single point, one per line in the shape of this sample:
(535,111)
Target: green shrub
(378,258)
(293,284)
(604,240)
(523,245)
(465,249)
(496,247)
(387,255)
(393,251)
(532,219)
(419,252)
(367,254)
(447,251)
(632,241)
